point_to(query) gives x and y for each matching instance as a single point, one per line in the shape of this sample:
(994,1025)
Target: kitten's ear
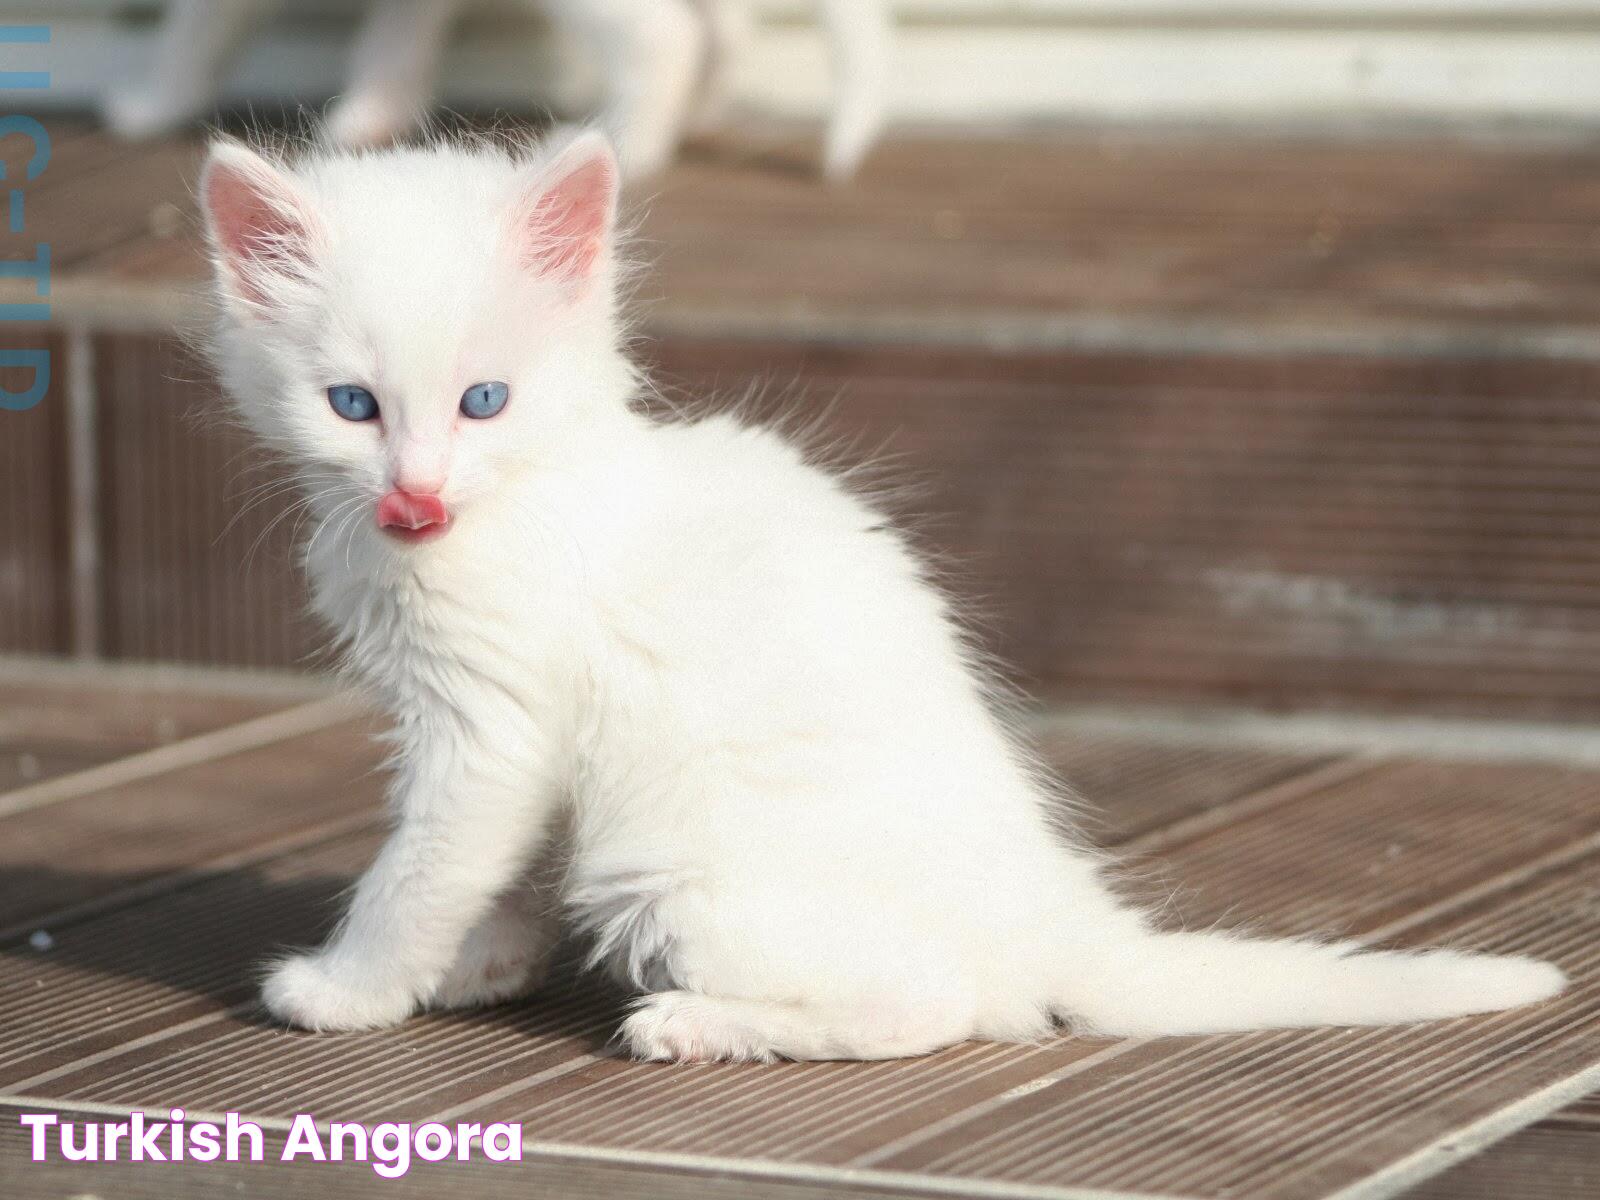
(261,225)
(564,221)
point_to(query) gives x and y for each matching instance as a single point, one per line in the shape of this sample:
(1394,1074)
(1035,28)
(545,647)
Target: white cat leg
(730,27)
(507,952)
(739,969)
(469,823)
(689,1027)
(650,53)
(860,36)
(196,45)
(393,67)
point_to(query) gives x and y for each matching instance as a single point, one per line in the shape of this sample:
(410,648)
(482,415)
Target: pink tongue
(411,510)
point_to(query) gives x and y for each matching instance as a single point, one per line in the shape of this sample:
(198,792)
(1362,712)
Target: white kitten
(796,825)
(664,65)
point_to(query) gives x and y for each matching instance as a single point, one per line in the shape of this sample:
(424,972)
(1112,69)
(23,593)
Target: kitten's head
(412,327)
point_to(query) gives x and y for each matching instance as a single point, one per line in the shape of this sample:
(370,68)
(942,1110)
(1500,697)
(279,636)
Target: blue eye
(484,400)
(353,403)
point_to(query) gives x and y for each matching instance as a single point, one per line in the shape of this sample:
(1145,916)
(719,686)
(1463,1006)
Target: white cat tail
(1164,984)
(860,34)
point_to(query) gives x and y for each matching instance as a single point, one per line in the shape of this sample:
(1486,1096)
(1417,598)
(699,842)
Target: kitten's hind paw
(368,120)
(305,992)
(684,1027)
(690,1027)
(139,113)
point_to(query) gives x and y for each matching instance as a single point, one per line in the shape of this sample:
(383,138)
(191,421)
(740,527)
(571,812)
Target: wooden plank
(199,554)
(151,984)
(59,722)
(34,566)
(265,730)
(105,715)
(108,193)
(1549,1162)
(78,150)
(271,780)
(1133,227)
(23,764)
(110,781)
(1586,1112)
(1133,785)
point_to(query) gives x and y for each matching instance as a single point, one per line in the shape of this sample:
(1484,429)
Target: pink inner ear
(255,233)
(569,222)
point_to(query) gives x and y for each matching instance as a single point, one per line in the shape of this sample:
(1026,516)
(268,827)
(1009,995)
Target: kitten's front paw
(304,991)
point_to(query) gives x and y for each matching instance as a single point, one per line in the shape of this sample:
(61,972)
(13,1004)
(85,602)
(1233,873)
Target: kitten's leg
(506,954)
(650,57)
(196,45)
(729,26)
(733,971)
(859,35)
(690,1027)
(469,823)
(392,70)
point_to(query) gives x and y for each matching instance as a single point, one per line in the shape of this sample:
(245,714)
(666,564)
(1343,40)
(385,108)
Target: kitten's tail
(860,33)
(1184,983)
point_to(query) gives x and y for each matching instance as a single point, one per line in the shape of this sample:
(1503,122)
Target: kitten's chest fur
(629,602)
(526,610)
(436,629)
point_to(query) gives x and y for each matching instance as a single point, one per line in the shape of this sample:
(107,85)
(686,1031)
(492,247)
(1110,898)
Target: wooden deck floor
(168,839)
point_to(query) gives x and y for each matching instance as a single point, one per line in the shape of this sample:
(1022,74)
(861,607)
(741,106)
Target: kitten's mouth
(412,516)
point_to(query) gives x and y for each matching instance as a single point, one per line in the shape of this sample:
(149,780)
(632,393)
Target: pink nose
(411,510)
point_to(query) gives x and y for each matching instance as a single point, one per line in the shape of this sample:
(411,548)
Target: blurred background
(1244,350)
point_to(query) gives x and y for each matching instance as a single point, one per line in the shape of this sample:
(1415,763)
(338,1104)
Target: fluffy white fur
(664,66)
(789,816)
